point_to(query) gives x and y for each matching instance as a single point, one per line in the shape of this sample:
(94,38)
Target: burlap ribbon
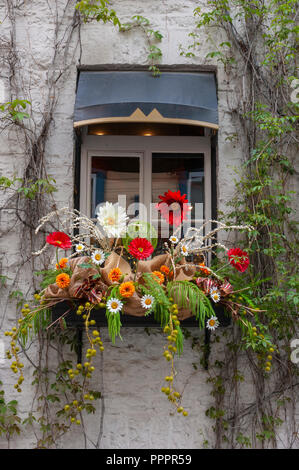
(83,278)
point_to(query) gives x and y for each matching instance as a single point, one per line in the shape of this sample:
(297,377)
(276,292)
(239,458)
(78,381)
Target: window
(112,176)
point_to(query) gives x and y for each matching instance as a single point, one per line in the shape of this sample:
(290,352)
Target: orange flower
(159,277)
(127,289)
(62,263)
(204,269)
(63,280)
(115,274)
(164,269)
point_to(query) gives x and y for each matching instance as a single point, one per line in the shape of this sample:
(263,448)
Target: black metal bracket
(207,348)
(79,344)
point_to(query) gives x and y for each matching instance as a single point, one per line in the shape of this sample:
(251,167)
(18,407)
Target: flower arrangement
(113,267)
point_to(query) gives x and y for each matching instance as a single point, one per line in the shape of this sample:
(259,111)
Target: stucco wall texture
(133,412)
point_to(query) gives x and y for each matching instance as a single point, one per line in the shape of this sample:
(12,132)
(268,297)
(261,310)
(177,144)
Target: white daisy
(212,323)
(215,294)
(113,219)
(98,257)
(79,247)
(184,250)
(174,239)
(147,301)
(114,305)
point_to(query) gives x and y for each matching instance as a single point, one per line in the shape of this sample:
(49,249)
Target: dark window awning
(180,98)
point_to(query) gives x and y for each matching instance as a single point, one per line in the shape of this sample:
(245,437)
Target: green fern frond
(32,324)
(162,303)
(188,295)
(247,299)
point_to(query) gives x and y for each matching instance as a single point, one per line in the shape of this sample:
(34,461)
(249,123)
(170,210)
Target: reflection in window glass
(114,176)
(179,172)
(184,172)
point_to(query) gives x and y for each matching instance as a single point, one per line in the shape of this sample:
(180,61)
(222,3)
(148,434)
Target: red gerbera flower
(238,258)
(174,207)
(140,248)
(60,239)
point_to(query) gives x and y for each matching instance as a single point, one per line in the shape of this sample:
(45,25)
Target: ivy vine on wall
(259,55)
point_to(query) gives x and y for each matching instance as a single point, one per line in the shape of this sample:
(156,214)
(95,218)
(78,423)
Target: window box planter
(73,320)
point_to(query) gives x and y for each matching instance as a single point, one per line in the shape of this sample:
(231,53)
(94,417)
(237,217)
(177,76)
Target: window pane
(179,172)
(184,172)
(114,176)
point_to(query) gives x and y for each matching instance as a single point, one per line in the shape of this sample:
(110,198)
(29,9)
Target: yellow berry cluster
(94,339)
(269,359)
(22,321)
(265,358)
(17,365)
(86,369)
(236,297)
(25,324)
(76,406)
(73,409)
(172,331)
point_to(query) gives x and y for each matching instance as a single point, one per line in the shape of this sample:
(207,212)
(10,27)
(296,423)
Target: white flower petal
(215,294)
(174,239)
(113,218)
(147,301)
(98,257)
(184,250)
(114,305)
(212,323)
(79,247)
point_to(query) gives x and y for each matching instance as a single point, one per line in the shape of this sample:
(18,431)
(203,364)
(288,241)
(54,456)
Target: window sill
(73,320)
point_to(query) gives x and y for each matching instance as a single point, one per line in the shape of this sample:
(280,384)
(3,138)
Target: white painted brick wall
(137,414)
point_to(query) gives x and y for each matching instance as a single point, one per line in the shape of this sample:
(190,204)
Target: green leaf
(140,229)
(187,295)
(96,276)
(162,303)
(85,265)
